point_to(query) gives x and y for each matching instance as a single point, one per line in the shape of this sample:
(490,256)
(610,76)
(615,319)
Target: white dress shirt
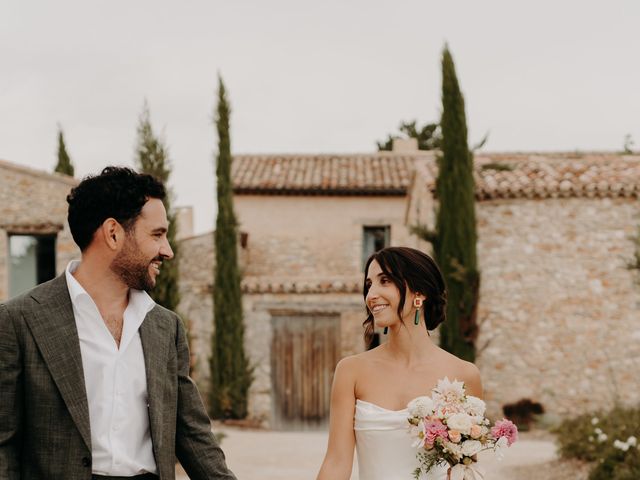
(116,384)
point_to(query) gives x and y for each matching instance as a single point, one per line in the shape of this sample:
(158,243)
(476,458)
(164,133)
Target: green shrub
(618,465)
(592,437)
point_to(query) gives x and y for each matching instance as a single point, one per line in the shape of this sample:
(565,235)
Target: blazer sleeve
(196,446)
(10,398)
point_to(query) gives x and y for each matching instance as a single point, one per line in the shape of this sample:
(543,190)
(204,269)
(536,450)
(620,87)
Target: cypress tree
(455,237)
(152,157)
(64,162)
(230,373)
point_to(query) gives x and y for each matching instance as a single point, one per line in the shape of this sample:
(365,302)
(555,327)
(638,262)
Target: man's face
(145,248)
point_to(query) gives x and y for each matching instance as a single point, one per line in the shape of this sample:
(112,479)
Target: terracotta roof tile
(352,174)
(301,285)
(499,175)
(552,175)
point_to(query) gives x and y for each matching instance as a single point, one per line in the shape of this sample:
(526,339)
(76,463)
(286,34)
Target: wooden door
(304,354)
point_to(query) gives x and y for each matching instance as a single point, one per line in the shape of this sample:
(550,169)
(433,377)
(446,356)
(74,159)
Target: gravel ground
(554,470)
(266,455)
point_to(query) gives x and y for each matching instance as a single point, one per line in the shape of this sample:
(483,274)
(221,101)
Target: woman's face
(383,297)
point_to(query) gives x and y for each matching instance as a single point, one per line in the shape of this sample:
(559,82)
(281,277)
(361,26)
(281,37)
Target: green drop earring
(417,303)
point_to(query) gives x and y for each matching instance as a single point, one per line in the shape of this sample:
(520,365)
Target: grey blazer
(44,415)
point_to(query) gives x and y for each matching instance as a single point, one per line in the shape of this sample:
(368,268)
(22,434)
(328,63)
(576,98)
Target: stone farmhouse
(560,311)
(308,223)
(35,242)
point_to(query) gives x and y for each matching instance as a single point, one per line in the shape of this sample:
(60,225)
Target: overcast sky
(326,76)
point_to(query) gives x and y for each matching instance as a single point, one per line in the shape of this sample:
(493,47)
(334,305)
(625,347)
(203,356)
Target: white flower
(420,407)
(602,437)
(502,442)
(474,406)
(449,392)
(471,447)
(453,449)
(621,445)
(632,441)
(594,421)
(598,431)
(460,422)
(591,438)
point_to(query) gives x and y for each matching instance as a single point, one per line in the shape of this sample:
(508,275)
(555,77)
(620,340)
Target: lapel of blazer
(155,345)
(53,327)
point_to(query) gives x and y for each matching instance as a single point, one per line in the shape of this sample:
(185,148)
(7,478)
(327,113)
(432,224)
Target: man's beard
(133,268)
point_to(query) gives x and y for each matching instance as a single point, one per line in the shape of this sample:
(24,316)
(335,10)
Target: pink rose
(505,428)
(476,432)
(434,429)
(455,436)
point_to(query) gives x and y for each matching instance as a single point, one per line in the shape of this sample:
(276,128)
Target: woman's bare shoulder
(360,361)
(463,371)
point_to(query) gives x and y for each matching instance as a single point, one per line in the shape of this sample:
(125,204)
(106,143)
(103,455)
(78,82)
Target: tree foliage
(455,237)
(429,136)
(64,164)
(230,372)
(152,157)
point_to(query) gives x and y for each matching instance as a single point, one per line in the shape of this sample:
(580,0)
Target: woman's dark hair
(413,269)
(118,193)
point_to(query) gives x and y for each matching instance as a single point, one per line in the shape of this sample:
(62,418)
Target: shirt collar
(139,300)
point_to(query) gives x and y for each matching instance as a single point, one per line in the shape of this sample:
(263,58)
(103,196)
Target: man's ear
(112,233)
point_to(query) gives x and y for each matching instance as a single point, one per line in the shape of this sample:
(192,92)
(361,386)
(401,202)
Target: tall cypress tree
(64,162)
(455,237)
(152,157)
(230,373)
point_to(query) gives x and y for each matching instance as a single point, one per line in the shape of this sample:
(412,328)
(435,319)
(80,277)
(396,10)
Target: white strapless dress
(383,445)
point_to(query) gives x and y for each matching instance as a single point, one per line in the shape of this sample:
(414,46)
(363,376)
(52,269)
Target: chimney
(184,222)
(405,145)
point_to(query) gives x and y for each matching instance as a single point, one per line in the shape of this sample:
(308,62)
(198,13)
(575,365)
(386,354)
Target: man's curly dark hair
(118,192)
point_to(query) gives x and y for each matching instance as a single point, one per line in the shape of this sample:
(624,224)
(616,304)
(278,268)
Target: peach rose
(455,436)
(476,432)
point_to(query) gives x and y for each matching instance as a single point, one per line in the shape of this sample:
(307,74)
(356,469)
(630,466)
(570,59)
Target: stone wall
(560,309)
(314,236)
(312,242)
(33,202)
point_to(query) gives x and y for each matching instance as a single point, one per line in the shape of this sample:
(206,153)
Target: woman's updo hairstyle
(415,270)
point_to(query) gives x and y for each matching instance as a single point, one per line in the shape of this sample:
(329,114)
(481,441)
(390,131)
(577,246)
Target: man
(93,374)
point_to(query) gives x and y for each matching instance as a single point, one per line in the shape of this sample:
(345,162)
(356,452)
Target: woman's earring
(417,303)
(386,329)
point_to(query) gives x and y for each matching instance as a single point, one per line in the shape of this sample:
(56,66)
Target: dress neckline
(381,408)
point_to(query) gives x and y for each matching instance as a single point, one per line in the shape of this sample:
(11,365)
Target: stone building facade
(33,227)
(559,309)
(308,222)
(559,312)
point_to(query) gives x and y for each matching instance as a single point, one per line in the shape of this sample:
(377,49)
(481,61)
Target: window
(375,238)
(32,261)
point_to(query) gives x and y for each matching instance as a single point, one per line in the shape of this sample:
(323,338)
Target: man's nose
(166,250)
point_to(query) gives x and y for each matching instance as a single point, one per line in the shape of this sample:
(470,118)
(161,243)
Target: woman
(404,292)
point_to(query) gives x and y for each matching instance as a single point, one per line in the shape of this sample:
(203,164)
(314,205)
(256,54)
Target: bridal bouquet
(450,428)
